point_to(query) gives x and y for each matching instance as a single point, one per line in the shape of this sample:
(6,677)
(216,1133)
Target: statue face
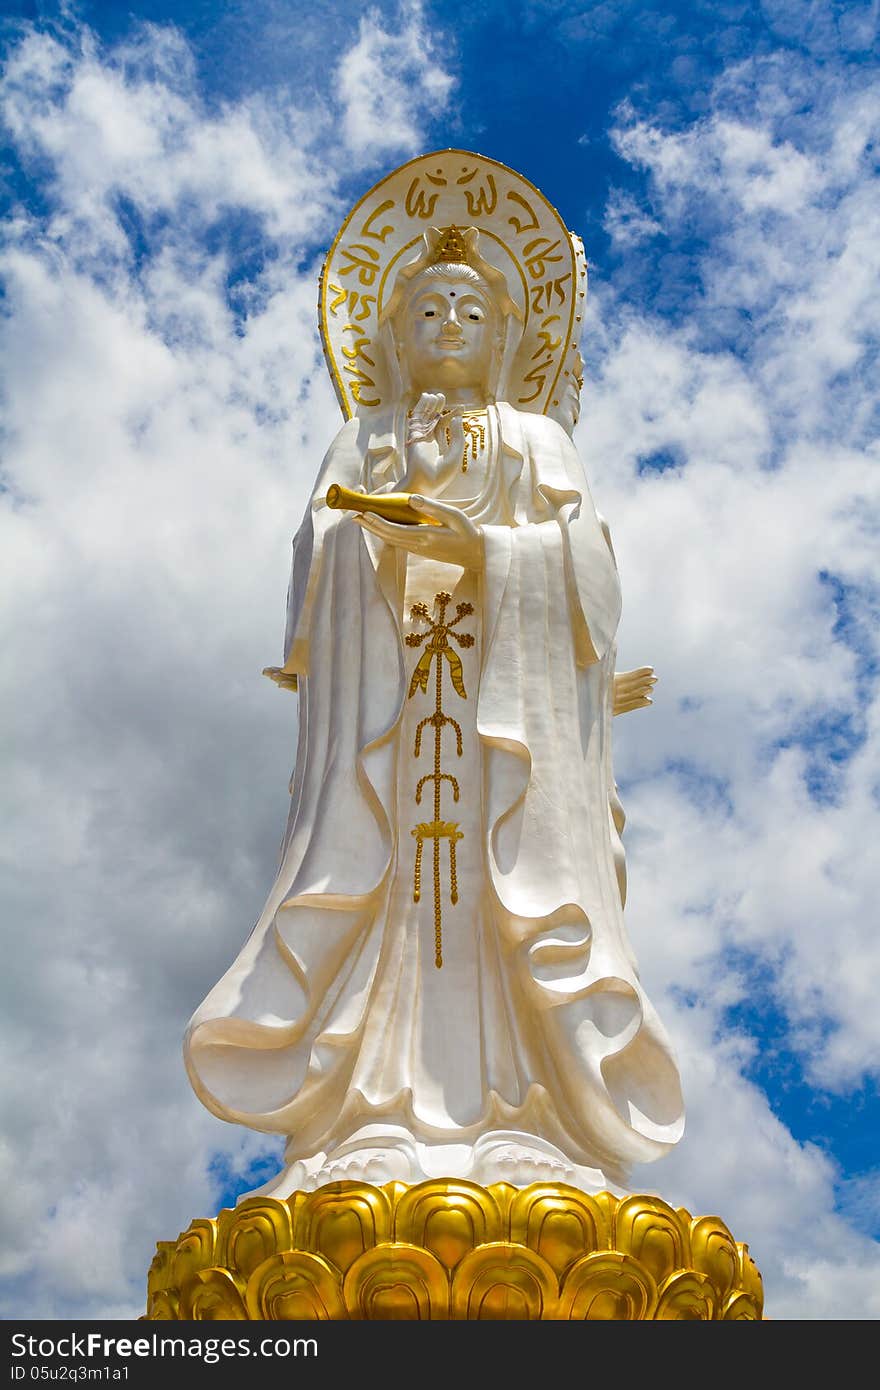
(446,334)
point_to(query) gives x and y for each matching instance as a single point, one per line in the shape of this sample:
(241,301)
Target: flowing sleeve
(554,488)
(343,464)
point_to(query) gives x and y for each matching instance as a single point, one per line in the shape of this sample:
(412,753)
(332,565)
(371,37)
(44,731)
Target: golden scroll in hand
(393,506)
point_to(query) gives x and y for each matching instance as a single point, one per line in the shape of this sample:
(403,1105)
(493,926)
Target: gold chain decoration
(474,432)
(438,650)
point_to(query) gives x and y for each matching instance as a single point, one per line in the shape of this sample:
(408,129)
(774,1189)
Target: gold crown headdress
(451,247)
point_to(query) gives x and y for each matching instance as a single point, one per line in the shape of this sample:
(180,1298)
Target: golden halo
(521,234)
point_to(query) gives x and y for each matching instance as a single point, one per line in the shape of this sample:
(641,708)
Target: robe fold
(335,1014)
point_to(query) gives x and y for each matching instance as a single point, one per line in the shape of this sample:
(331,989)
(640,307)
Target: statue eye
(475,315)
(430,313)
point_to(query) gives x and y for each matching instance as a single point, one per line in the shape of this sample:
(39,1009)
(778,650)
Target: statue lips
(448,342)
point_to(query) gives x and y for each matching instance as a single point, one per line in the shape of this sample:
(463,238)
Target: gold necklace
(474,430)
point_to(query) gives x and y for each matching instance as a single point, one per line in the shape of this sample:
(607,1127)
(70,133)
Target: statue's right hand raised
(422,419)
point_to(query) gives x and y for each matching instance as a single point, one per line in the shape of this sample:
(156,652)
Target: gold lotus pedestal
(453,1250)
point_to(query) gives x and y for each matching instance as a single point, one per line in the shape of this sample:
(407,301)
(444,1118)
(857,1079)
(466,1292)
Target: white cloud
(734,157)
(130,124)
(389,82)
(776,186)
(626,222)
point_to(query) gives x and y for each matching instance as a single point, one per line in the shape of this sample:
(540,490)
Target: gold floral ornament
(436,652)
(452,1249)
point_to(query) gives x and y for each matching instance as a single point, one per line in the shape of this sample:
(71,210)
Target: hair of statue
(453,270)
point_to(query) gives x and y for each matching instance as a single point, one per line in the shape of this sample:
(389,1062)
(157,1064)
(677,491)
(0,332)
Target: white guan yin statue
(440,984)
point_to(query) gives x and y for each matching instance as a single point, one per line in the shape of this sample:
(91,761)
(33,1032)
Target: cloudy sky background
(171,179)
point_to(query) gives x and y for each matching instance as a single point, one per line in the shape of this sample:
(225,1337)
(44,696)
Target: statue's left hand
(456,541)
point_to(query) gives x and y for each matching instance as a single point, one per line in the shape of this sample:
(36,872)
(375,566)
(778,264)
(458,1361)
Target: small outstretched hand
(456,541)
(632,689)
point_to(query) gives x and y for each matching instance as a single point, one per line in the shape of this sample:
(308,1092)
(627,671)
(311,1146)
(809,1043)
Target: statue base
(450,1249)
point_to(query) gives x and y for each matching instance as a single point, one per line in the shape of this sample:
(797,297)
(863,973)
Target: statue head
(449,317)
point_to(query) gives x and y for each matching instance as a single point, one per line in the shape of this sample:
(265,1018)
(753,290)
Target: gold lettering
(485,198)
(416,204)
(547,343)
(518,226)
(538,255)
(377,212)
(538,375)
(367,270)
(341,296)
(557,286)
(359,384)
(367,301)
(357,348)
(353,297)
(543,294)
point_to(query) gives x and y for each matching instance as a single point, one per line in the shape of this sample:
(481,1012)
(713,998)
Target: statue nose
(450,318)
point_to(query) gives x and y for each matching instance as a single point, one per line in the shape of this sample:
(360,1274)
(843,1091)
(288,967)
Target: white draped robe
(335,1015)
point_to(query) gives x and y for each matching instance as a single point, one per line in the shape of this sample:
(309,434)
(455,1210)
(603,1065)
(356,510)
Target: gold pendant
(474,431)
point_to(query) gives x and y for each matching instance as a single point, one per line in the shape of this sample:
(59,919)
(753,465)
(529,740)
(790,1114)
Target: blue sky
(172,174)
